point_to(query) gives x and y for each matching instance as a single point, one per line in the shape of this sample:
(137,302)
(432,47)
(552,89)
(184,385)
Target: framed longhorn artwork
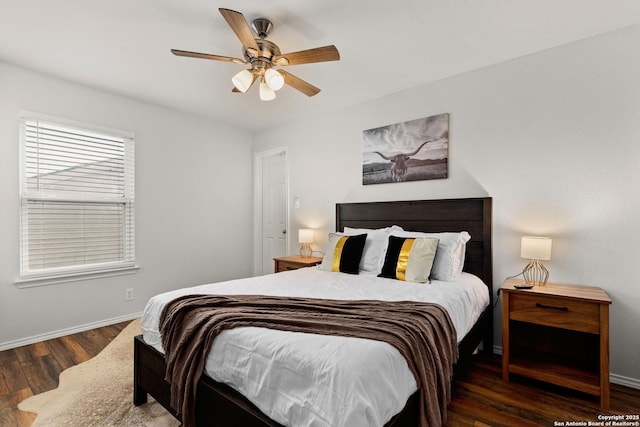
(409,151)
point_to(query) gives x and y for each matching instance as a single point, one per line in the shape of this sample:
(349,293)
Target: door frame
(257,204)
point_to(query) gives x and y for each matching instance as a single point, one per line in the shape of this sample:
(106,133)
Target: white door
(272,211)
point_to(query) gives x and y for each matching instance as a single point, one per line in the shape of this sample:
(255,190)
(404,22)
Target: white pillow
(375,248)
(449,260)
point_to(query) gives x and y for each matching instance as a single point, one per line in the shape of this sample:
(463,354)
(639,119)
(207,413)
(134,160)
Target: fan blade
(236,90)
(299,84)
(207,56)
(239,26)
(319,54)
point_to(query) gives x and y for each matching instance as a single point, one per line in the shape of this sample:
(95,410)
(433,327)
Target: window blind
(77,191)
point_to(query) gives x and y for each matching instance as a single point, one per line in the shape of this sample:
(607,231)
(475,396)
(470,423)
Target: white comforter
(300,379)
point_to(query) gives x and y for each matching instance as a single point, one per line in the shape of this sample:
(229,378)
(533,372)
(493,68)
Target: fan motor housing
(267,51)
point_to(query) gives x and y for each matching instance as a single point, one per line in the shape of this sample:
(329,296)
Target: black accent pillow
(344,253)
(409,259)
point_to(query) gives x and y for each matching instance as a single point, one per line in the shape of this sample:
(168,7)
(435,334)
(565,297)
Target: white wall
(193,207)
(553,137)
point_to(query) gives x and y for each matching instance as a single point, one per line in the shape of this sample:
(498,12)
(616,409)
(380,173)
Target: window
(77,200)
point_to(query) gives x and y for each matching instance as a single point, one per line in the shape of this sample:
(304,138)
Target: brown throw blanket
(422,332)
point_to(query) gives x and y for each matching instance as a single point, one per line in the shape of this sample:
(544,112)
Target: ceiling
(122,46)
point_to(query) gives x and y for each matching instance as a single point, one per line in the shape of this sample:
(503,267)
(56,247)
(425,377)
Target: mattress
(300,379)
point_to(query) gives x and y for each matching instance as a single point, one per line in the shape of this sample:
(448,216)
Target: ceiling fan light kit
(243,80)
(274,79)
(263,55)
(266,93)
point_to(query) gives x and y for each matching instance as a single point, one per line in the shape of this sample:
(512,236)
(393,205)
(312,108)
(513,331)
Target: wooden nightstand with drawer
(295,262)
(558,334)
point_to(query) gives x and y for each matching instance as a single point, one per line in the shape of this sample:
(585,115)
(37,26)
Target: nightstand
(295,262)
(558,334)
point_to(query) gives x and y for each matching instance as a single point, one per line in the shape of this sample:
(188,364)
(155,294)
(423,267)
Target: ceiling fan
(263,55)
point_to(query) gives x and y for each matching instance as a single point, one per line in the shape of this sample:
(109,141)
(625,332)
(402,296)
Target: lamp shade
(305,235)
(242,81)
(532,247)
(266,93)
(274,79)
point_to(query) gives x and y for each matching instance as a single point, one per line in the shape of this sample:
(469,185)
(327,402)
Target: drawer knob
(552,307)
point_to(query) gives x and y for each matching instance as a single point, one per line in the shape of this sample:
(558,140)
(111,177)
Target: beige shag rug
(99,392)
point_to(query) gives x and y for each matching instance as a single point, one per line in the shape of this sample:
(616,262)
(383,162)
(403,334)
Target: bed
(219,404)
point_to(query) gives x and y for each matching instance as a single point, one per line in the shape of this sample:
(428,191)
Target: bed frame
(219,405)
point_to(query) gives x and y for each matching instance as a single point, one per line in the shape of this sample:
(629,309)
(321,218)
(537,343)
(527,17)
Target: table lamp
(305,237)
(535,249)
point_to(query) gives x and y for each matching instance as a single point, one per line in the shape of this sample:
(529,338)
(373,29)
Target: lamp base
(535,273)
(305,250)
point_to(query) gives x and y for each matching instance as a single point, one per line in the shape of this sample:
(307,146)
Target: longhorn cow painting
(409,151)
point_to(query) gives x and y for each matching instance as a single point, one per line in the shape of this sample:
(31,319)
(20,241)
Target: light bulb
(266,93)
(274,79)
(242,81)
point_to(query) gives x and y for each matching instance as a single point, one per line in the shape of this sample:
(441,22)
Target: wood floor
(479,399)
(35,368)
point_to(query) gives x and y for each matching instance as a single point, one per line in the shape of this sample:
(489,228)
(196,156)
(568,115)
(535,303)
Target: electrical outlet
(128,294)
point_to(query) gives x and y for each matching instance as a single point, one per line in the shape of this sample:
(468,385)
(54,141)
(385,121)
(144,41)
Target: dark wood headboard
(472,215)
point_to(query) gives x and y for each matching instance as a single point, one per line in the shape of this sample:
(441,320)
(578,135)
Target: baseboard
(613,378)
(625,381)
(68,331)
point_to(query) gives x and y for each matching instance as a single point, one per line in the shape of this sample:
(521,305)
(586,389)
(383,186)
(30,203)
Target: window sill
(30,282)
